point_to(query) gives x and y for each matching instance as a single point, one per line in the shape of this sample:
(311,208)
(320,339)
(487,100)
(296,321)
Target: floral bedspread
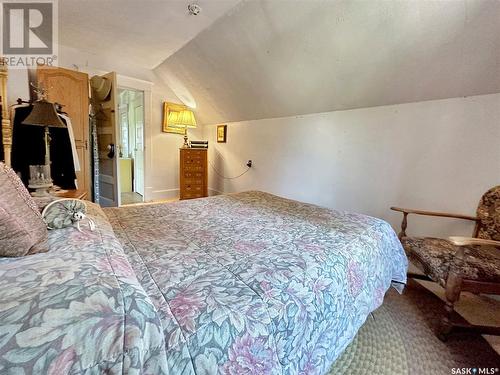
(77,309)
(252,283)
(248,283)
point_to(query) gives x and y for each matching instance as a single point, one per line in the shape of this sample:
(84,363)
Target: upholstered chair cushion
(435,256)
(23,230)
(488,213)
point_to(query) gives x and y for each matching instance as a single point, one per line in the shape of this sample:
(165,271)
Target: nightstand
(73,194)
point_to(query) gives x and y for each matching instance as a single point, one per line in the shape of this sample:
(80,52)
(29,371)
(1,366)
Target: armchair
(459,263)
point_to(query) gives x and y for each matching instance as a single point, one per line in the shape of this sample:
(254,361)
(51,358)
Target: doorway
(131,145)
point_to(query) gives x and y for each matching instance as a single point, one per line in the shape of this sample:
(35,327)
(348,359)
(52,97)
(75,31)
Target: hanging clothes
(76,161)
(28,148)
(61,156)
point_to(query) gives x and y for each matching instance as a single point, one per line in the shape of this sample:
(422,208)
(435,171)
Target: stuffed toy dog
(67,212)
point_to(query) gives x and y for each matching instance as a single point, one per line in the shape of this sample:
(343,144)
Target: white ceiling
(274,58)
(142,32)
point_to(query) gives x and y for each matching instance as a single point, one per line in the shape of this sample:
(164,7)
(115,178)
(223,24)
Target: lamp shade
(184,118)
(44,114)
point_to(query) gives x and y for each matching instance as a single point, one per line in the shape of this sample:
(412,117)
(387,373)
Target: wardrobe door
(70,88)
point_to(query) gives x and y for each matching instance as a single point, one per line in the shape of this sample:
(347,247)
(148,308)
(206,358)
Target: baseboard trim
(163,194)
(212,192)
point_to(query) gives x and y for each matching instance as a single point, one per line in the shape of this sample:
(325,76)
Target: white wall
(268,58)
(162,175)
(436,155)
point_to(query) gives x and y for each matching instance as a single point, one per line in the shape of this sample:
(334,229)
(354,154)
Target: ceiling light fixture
(194,9)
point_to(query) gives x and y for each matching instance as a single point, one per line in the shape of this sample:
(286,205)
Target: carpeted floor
(400,339)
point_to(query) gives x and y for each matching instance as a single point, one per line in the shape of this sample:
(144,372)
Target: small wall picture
(221,133)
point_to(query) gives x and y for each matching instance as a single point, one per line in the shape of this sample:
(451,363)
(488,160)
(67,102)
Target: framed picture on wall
(167,108)
(221,133)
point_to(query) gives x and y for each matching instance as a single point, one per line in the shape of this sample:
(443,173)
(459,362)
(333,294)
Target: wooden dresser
(193,170)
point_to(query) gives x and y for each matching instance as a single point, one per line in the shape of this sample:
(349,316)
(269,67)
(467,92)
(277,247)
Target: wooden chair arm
(407,211)
(434,213)
(466,241)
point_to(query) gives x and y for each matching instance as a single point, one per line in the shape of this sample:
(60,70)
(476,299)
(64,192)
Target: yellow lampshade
(173,118)
(184,118)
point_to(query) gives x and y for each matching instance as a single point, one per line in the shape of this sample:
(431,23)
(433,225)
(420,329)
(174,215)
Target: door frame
(135,165)
(146,87)
(109,104)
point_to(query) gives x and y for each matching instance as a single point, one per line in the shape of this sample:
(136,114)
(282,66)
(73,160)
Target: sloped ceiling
(268,59)
(142,33)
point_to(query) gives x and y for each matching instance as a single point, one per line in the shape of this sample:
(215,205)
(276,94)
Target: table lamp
(182,119)
(43,114)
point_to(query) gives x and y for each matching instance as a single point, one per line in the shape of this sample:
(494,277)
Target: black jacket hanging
(61,156)
(28,148)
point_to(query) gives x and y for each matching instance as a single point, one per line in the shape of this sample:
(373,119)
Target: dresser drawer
(193,175)
(193,161)
(192,195)
(193,168)
(194,154)
(193,181)
(193,189)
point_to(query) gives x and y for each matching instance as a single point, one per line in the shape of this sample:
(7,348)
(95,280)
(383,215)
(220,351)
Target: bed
(246,283)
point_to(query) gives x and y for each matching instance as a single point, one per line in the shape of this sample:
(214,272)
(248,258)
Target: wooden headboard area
(6,128)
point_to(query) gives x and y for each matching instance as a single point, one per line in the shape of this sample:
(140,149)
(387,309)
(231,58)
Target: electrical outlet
(249,164)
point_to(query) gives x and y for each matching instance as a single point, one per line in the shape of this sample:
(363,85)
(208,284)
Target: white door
(139,150)
(106,119)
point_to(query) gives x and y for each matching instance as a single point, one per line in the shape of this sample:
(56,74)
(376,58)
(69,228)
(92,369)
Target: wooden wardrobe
(71,89)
